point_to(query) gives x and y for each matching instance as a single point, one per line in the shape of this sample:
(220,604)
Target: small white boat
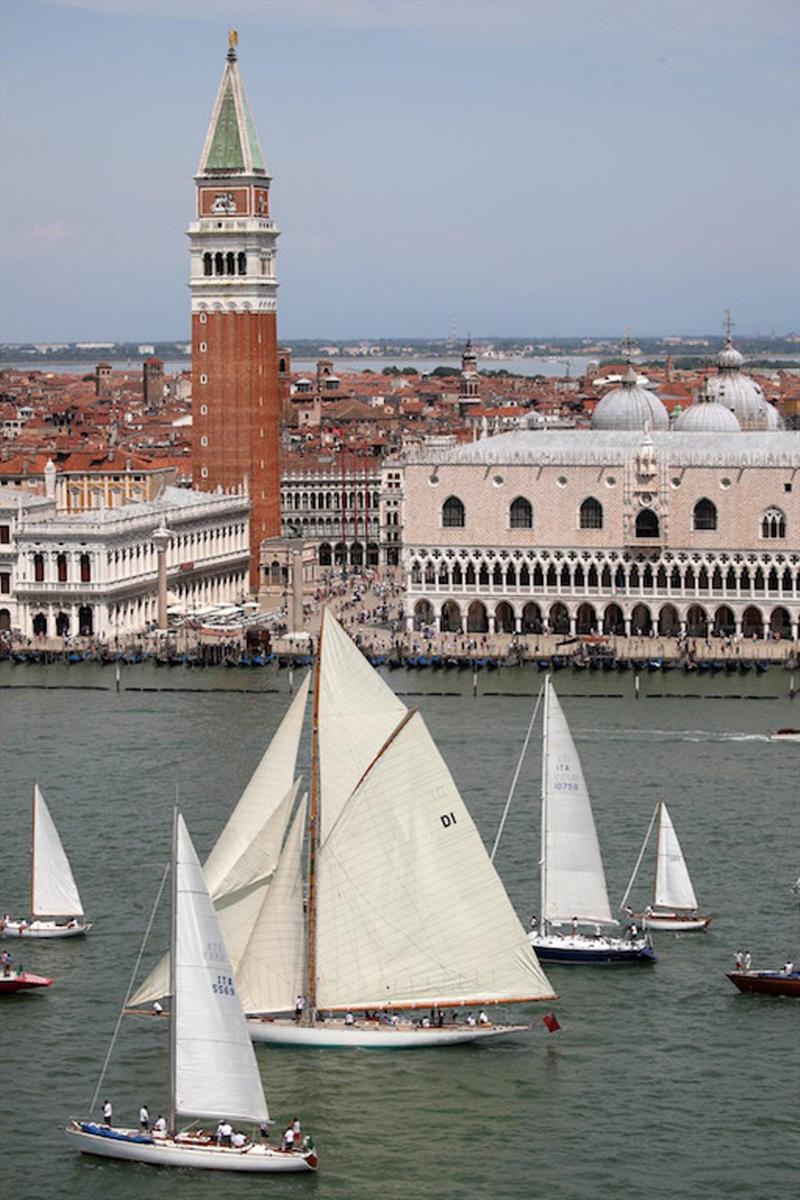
(674,904)
(785,735)
(213,1068)
(573,882)
(56,908)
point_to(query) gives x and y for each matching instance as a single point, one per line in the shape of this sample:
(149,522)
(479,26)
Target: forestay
(573,880)
(357,713)
(673,887)
(411,911)
(272,968)
(215,1067)
(54,892)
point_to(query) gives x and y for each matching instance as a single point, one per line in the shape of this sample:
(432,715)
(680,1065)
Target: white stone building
(334,502)
(95,573)
(614,530)
(16,507)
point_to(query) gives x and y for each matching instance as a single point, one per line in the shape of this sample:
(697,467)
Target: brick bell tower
(235,401)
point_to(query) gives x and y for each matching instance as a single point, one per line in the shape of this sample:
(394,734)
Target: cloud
(54,231)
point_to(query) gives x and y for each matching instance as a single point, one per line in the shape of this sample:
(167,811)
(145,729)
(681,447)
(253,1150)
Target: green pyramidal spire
(231,146)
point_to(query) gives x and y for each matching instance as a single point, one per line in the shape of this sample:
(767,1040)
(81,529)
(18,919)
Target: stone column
(161,540)
(297,587)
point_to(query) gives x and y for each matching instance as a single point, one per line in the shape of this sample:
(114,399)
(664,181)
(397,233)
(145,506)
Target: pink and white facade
(614,531)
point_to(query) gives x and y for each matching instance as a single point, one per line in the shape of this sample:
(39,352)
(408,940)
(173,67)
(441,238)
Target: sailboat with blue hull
(575,924)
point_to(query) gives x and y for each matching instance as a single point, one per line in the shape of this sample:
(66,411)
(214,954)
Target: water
(552,366)
(664,1083)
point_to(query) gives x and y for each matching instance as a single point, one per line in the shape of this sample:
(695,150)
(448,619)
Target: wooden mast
(310,1011)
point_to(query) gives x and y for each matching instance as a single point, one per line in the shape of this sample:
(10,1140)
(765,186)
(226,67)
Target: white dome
(742,395)
(630,407)
(707,417)
(729,356)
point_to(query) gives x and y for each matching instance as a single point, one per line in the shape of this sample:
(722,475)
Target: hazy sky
(519,167)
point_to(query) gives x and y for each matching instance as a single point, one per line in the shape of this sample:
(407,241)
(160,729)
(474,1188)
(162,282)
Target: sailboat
(573,882)
(241,864)
(674,902)
(213,1070)
(404,911)
(56,908)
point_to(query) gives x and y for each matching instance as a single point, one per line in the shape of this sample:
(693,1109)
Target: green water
(664,1083)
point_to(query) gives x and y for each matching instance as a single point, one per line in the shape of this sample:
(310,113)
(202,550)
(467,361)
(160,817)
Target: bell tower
(233,285)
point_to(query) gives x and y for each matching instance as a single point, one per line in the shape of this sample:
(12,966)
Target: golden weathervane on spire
(233,39)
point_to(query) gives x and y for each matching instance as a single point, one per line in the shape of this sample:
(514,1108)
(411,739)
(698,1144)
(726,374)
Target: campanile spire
(233,285)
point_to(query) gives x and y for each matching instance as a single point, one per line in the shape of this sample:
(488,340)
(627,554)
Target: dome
(729,356)
(630,407)
(707,415)
(741,394)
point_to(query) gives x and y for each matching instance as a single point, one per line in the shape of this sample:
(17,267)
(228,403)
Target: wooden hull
(578,949)
(334,1034)
(674,922)
(200,1154)
(43,929)
(770,983)
(17,983)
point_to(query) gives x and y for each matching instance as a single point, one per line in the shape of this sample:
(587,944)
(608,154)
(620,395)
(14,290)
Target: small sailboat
(674,902)
(56,908)
(213,1070)
(405,913)
(574,895)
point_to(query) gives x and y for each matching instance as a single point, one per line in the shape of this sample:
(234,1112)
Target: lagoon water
(663,1083)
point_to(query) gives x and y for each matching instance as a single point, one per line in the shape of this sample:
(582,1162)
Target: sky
(519,168)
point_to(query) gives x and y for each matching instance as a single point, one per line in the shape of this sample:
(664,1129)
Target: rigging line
(624,899)
(516,777)
(129,988)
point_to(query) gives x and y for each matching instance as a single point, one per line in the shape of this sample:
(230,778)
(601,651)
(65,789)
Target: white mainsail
(357,713)
(53,889)
(673,887)
(272,969)
(573,880)
(247,850)
(411,911)
(215,1068)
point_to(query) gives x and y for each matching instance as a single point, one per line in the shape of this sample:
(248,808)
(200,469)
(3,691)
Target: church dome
(630,407)
(707,415)
(729,356)
(741,394)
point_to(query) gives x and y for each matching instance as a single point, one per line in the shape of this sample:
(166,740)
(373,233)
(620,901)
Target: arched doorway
(613,620)
(62,624)
(697,621)
(668,623)
(641,621)
(476,618)
(85,621)
(325,554)
(780,623)
(5,620)
(647,525)
(586,619)
(423,614)
(558,618)
(531,618)
(340,554)
(724,622)
(373,554)
(504,618)
(752,623)
(40,625)
(356,555)
(451,617)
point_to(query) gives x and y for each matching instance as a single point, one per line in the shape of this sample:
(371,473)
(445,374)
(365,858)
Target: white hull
(43,929)
(369,1036)
(674,922)
(166,1152)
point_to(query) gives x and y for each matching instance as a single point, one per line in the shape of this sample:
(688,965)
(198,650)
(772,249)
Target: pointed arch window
(773,524)
(647,525)
(591,514)
(520,514)
(453,513)
(705,514)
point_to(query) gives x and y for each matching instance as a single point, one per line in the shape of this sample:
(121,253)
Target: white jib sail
(574,883)
(272,969)
(250,843)
(216,1073)
(411,911)
(673,886)
(54,891)
(357,713)
(269,784)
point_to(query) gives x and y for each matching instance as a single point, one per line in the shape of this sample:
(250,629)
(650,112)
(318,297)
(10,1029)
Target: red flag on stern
(551,1021)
